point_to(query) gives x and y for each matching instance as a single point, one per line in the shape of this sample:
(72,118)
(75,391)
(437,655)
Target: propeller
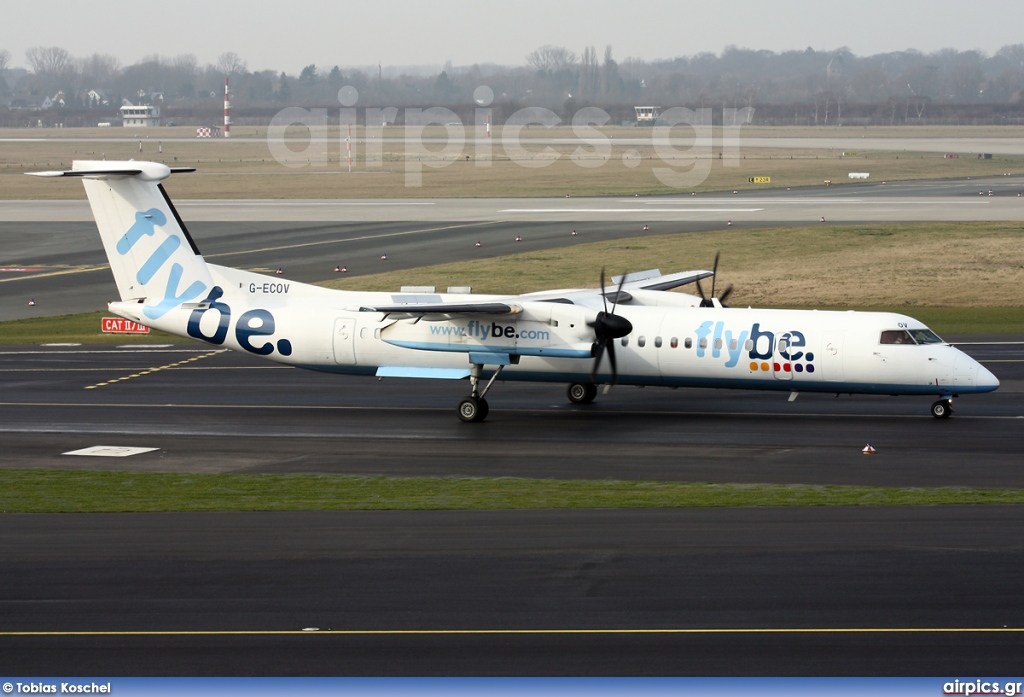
(608,327)
(709,300)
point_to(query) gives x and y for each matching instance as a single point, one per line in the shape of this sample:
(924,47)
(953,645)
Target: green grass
(82,328)
(63,491)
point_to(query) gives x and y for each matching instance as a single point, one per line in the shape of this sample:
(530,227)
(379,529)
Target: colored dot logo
(783,367)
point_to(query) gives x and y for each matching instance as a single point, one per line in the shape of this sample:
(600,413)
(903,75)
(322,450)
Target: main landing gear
(582,392)
(473,408)
(942,408)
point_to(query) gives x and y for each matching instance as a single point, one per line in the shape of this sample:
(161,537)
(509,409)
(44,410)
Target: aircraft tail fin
(152,256)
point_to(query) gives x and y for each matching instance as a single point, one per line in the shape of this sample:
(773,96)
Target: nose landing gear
(942,408)
(582,392)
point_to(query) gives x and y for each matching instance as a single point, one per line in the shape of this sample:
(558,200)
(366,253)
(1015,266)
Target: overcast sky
(289,35)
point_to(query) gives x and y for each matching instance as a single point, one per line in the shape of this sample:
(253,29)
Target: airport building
(647,115)
(140,115)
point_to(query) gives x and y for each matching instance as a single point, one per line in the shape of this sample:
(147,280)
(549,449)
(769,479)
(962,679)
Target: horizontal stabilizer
(149,171)
(98,173)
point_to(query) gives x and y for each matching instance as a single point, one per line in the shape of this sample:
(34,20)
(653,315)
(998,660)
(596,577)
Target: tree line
(811,87)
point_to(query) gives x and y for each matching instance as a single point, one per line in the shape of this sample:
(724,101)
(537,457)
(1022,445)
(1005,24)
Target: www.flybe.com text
(482,331)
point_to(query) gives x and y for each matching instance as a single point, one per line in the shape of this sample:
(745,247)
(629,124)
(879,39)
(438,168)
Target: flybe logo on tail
(145,226)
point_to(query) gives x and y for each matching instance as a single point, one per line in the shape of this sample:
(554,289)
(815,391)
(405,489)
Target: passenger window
(733,345)
(674,343)
(657,342)
(688,343)
(748,345)
(625,341)
(641,341)
(703,342)
(718,344)
(896,336)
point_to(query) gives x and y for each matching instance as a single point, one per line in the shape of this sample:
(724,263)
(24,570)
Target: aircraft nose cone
(986,380)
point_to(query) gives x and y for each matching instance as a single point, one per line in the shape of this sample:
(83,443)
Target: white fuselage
(674,342)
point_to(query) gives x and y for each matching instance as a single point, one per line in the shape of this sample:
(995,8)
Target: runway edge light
(868,450)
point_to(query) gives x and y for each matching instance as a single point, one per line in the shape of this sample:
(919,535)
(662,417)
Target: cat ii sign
(119,325)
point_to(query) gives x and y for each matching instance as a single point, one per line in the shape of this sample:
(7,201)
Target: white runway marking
(110,451)
(304,204)
(630,210)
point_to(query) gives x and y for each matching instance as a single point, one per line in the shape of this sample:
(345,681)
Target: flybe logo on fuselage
(251,325)
(757,344)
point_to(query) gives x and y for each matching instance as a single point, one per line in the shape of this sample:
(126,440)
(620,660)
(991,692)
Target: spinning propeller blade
(709,300)
(608,327)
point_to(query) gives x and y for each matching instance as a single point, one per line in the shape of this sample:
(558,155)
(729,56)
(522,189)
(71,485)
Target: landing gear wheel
(582,392)
(473,409)
(942,409)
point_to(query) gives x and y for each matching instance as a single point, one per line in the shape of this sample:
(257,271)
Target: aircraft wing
(654,280)
(451,309)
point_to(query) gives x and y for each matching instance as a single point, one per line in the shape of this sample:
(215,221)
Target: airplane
(646,336)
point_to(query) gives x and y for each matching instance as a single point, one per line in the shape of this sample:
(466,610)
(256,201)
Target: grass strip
(74,491)
(918,269)
(82,328)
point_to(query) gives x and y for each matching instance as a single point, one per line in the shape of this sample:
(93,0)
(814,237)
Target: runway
(252,416)
(890,591)
(843,591)
(752,591)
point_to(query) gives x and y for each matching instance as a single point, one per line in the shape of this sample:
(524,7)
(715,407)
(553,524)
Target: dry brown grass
(241,168)
(914,265)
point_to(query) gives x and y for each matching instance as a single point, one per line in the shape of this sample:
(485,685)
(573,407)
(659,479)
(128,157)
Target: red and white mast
(227,109)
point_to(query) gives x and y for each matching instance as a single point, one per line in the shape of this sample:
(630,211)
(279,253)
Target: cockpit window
(925,336)
(912,336)
(896,336)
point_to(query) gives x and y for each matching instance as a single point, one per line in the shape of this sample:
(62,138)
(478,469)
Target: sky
(285,36)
